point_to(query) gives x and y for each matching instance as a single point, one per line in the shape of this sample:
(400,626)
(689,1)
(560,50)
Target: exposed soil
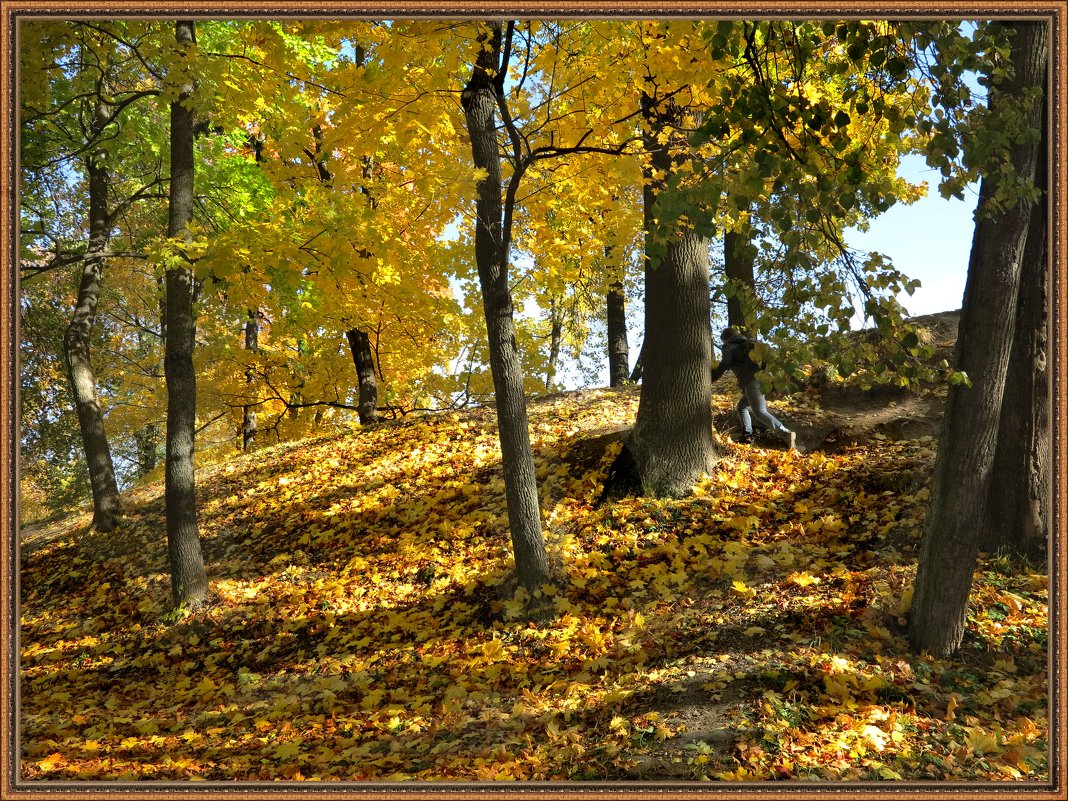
(38,534)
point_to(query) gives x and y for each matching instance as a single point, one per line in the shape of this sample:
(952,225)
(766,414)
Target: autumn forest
(369,428)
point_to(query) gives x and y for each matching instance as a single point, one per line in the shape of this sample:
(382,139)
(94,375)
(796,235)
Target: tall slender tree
(189,582)
(249,422)
(616,319)
(492,242)
(76,342)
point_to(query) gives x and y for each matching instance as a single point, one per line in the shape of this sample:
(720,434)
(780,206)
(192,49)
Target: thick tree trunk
(189,584)
(360,345)
(962,477)
(248,411)
(76,342)
(1017,502)
(738,264)
(672,441)
(491,251)
(618,350)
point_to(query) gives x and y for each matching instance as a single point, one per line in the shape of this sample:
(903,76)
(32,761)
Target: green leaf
(897,67)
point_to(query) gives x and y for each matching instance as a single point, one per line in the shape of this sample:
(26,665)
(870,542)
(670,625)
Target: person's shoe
(791,441)
(745,439)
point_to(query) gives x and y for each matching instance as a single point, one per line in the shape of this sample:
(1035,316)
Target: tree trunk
(555,334)
(360,345)
(147,438)
(296,397)
(248,412)
(76,342)
(189,584)
(636,373)
(672,441)
(147,449)
(738,264)
(618,351)
(969,436)
(479,100)
(1017,502)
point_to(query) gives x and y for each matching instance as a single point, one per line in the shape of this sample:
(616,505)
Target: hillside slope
(364,623)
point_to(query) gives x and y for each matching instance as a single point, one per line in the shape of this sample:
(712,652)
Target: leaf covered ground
(364,623)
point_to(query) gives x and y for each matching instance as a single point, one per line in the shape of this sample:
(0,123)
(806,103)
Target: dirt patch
(701,712)
(853,415)
(36,535)
(851,418)
(860,418)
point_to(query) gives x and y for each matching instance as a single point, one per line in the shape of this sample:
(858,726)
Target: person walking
(736,348)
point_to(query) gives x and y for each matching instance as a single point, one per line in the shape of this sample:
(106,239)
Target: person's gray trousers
(752,404)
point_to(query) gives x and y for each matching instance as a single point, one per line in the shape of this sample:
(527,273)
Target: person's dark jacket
(737,359)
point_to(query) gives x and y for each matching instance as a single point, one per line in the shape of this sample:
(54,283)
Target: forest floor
(365,624)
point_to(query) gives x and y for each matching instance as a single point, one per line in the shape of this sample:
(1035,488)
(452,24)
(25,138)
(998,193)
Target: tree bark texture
(636,373)
(189,582)
(248,411)
(738,263)
(479,100)
(672,440)
(1016,519)
(147,448)
(149,436)
(962,477)
(77,338)
(618,350)
(360,345)
(556,332)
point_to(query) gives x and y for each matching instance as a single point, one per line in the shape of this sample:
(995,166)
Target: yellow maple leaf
(804,579)
(981,742)
(619,724)
(951,707)
(51,761)
(764,562)
(742,588)
(874,736)
(493,650)
(287,750)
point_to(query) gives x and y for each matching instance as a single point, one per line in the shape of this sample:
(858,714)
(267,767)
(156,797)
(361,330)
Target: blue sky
(930,240)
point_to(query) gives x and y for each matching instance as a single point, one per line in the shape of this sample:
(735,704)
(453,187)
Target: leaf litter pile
(365,623)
